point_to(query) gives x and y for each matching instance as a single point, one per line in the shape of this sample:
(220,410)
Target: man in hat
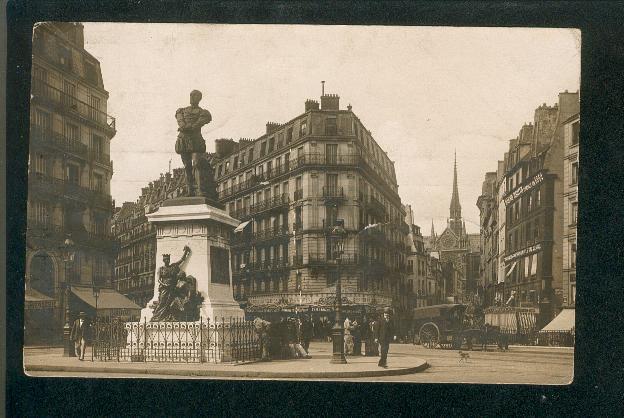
(383,336)
(80,334)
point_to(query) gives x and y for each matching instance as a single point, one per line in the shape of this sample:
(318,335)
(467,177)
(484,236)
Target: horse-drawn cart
(442,325)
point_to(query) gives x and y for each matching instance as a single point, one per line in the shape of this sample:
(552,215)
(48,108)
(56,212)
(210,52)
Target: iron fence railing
(203,341)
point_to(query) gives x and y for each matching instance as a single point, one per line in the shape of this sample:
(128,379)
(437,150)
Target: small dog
(463,357)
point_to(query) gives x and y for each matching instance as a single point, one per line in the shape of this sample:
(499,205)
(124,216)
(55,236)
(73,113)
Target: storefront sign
(525,251)
(520,190)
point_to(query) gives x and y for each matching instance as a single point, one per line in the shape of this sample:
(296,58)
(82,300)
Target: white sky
(422,91)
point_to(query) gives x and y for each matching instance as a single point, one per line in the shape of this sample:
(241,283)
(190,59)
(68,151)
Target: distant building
(288,188)
(135,265)
(422,279)
(571,129)
(530,199)
(488,209)
(456,246)
(68,184)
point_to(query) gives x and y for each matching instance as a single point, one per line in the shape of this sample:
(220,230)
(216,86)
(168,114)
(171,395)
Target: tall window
(289,135)
(573,213)
(64,55)
(331,153)
(73,174)
(90,72)
(263,149)
(39,164)
(98,145)
(574,170)
(303,128)
(271,144)
(332,184)
(575,133)
(98,183)
(71,132)
(43,120)
(251,155)
(68,98)
(94,109)
(573,254)
(235,165)
(331,127)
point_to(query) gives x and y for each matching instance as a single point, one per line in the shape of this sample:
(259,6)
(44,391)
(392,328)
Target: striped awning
(242,226)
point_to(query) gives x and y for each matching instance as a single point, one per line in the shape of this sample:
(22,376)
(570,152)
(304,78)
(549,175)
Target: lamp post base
(68,344)
(338,356)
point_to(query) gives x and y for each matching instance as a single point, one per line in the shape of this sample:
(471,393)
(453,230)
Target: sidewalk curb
(230,373)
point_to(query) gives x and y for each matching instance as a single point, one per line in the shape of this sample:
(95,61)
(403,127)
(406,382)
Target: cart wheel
(429,335)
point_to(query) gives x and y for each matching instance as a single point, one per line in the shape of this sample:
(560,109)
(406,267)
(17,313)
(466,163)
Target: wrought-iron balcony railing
(329,259)
(43,136)
(297,260)
(271,233)
(333,192)
(100,157)
(273,203)
(376,207)
(53,185)
(43,90)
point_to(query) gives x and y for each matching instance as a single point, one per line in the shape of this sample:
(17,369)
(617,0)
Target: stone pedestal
(205,229)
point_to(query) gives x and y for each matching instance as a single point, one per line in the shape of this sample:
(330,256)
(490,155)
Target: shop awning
(108,299)
(565,321)
(36,300)
(242,226)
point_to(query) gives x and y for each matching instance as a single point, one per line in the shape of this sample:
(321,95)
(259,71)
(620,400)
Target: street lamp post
(68,253)
(338,356)
(96,295)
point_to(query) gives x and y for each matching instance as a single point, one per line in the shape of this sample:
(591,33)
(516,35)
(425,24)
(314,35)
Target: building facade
(571,129)
(488,219)
(289,188)
(422,278)
(135,264)
(531,211)
(68,179)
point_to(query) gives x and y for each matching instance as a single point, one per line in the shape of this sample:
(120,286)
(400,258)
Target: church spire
(432,229)
(455,206)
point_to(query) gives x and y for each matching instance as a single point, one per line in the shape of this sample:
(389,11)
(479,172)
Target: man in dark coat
(383,336)
(80,335)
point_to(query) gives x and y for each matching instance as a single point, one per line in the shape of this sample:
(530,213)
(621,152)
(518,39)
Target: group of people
(286,338)
(376,335)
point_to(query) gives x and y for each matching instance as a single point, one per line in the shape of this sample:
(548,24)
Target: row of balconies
(44,91)
(41,136)
(61,187)
(295,163)
(58,232)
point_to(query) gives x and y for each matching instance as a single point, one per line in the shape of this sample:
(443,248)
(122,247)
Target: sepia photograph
(302,202)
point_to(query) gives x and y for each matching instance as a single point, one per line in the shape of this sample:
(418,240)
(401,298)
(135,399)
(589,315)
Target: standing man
(190,143)
(80,334)
(385,334)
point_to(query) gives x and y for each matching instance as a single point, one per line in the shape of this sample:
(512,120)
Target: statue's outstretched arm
(187,251)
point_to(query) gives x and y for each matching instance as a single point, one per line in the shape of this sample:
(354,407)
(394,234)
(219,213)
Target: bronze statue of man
(190,143)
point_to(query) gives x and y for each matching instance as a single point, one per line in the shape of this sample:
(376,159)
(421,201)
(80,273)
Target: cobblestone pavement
(523,365)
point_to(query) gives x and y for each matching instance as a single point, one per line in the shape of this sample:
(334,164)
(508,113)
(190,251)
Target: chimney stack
(330,102)
(311,105)
(272,127)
